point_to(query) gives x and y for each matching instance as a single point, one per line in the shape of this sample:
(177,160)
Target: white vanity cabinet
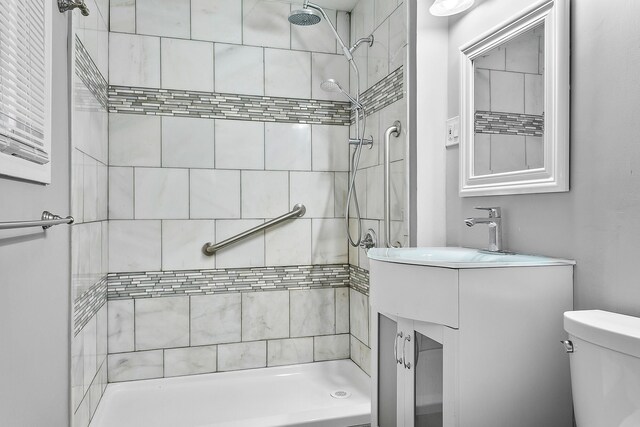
(470,344)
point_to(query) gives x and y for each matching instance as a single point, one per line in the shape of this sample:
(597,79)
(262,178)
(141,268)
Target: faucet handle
(494,212)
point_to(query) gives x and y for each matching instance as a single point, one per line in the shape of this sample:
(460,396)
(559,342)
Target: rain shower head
(305,17)
(332,85)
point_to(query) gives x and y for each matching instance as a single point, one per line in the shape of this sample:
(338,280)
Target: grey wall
(596,223)
(34,280)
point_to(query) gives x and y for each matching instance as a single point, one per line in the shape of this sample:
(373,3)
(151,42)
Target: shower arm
(345,49)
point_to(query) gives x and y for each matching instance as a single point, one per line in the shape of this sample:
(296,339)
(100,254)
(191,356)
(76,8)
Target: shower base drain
(340,394)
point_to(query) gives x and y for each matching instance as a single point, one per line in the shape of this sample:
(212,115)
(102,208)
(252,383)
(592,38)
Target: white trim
(554,176)
(23,169)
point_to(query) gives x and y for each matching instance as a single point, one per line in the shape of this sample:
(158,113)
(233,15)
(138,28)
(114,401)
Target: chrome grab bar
(298,211)
(395,131)
(48,220)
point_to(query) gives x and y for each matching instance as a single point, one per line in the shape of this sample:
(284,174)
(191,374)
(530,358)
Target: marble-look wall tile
(378,59)
(187,142)
(134,140)
(312,312)
(361,355)
(375,195)
(217,20)
(507,92)
(328,241)
(265,23)
(122,16)
(168,18)
(134,60)
(330,148)
(214,193)
(139,365)
(287,73)
(89,353)
(265,315)
(342,311)
(289,351)
(264,194)
(239,69)
(287,146)
(162,322)
(120,193)
(281,249)
(315,190)
(187,65)
(246,355)
(331,347)
(101,335)
(359,315)
(161,193)
(179,248)
(397,36)
(134,246)
(383,9)
(190,361)
(248,253)
(77,370)
(239,145)
(120,326)
(215,319)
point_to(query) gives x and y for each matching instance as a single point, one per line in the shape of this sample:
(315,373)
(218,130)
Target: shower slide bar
(298,211)
(48,220)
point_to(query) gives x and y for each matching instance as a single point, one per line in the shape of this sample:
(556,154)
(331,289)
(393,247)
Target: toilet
(605,368)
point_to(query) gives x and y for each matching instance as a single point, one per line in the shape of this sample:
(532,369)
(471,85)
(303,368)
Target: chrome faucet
(495,227)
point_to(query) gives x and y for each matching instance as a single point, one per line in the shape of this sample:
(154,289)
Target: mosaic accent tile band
(492,122)
(359,279)
(206,282)
(385,92)
(88,73)
(88,304)
(183,103)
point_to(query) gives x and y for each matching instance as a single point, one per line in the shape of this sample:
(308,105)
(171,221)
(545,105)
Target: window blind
(22,80)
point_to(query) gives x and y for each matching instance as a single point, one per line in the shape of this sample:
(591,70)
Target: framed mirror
(515,105)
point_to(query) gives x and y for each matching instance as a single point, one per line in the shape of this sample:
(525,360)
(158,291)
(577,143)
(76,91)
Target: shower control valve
(370,240)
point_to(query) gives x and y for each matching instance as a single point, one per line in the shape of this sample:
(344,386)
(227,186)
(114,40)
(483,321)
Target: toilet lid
(614,331)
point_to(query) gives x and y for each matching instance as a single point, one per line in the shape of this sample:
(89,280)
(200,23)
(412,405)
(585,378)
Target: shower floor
(297,395)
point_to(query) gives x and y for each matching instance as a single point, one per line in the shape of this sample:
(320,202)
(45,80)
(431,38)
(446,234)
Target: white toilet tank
(605,368)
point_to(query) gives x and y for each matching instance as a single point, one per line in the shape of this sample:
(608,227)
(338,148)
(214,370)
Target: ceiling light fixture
(449,7)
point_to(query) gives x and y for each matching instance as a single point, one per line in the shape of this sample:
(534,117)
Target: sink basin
(453,257)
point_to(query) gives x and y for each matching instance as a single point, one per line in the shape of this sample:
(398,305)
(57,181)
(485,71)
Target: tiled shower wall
(383,85)
(217,124)
(89,233)
(509,104)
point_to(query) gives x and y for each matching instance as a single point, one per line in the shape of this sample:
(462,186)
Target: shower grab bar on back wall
(298,211)
(48,220)
(395,131)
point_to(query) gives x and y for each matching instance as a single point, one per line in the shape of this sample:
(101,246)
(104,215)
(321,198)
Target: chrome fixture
(311,14)
(407,339)
(66,5)
(369,241)
(332,85)
(395,348)
(394,130)
(495,227)
(568,346)
(298,211)
(449,7)
(47,220)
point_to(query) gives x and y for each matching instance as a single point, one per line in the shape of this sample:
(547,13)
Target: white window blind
(23,80)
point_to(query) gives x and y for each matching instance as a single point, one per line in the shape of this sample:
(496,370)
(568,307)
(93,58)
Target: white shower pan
(297,395)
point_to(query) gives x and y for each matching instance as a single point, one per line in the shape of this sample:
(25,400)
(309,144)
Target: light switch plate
(453,131)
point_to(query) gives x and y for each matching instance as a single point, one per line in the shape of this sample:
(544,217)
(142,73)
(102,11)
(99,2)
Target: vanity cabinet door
(388,369)
(423,373)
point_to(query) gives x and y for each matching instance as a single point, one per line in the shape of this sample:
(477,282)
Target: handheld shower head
(305,17)
(332,86)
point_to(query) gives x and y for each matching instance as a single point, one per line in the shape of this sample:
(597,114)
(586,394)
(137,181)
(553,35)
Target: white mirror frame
(554,175)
